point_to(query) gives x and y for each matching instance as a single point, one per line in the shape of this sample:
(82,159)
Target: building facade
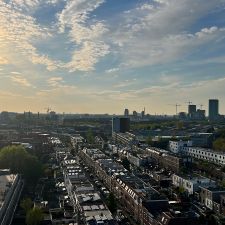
(213,109)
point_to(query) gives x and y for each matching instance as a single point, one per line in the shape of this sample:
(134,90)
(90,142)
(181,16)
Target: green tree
(180,125)
(26,204)
(34,216)
(149,140)
(219,144)
(18,160)
(90,136)
(112,203)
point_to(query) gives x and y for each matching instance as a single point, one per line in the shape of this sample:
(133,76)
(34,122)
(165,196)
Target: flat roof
(5,183)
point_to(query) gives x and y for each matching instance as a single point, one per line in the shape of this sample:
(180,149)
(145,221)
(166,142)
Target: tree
(112,203)
(26,204)
(90,136)
(219,144)
(149,140)
(180,125)
(34,216)
(18,160)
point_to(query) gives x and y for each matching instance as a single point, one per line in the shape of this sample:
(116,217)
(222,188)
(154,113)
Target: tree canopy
(219,144)
(18,160)
(34,216)
(26,204)
(90,136)
(112,203)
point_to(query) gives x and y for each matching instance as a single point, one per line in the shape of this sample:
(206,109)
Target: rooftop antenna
(189,102)
(48,109)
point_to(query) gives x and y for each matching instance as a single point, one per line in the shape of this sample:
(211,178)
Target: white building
(206,154)
(177,146)
(192,184)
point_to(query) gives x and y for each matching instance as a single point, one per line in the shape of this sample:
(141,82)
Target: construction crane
(48,109)
(176,105)
(189,102)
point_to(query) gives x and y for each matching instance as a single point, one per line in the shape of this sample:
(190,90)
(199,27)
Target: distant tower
(126,112)
(143,113)
(135,114)
(120,124)
(191,110)
(213,109)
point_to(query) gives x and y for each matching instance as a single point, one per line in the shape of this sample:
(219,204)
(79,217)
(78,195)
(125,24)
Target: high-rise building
(191,109)
(120,124)
(126,112)
(143,113)
(213,109)
(135,114)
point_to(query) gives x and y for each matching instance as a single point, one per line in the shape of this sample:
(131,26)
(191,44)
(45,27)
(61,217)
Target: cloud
(112,70)
(161,32)
(3,61)
(20,80)
(55,81)
(87,34)
(125,83)
(8,94)
(25,5)
(18,34)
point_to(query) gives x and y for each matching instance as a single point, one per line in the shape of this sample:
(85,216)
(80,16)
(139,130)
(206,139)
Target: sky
(102,56)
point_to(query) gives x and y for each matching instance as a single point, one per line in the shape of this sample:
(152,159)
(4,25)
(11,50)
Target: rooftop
(6,181)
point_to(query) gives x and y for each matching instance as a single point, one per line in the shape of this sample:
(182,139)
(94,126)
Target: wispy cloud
(3,61)
(55,81)
(86,34)
(125,83)
(160,32)
(112,70)
(20,31)
(17,79)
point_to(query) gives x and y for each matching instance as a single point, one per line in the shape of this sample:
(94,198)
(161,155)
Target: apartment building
(206,154)
(212,197)
(192,184)
(177,146)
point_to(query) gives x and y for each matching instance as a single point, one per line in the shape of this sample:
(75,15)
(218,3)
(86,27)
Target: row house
(192,184)
(167,160)
(206,154)
(213,198)
(139,200)
(88,206)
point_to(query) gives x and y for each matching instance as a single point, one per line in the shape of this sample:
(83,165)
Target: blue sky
(101,56)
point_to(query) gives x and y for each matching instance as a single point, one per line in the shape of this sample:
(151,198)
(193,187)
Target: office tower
(135,114)
(120,124)
(213,109)
(143,113)
(200,114)
(191,109)
(126,112)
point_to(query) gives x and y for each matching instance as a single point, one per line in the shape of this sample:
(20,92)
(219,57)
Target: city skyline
(103,56)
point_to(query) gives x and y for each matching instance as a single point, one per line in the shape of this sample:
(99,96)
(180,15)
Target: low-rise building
(211,197)
(177,146)
(192,184)
(206,154)
(168,160)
